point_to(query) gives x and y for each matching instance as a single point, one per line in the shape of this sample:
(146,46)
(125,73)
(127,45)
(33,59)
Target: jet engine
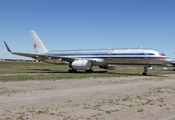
(80,64)
(109,67)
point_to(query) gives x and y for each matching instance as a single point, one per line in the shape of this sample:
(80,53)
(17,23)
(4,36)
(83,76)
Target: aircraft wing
(38,56)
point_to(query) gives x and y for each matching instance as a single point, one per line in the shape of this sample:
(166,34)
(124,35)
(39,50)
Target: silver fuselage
(111,56)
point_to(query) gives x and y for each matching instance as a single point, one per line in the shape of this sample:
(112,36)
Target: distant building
(19,60)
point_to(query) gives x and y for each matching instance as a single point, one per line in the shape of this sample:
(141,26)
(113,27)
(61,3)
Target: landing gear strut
(145,70)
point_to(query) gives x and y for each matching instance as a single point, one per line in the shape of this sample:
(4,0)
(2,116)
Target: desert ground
(115,98)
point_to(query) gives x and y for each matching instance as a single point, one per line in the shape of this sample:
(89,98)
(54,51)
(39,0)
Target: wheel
(70,71)
(144,73)
(74,71)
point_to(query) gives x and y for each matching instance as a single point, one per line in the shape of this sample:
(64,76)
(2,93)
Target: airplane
(171,62)
(86,59)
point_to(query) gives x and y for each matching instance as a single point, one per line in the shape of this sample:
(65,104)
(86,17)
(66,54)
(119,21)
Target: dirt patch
(139,97)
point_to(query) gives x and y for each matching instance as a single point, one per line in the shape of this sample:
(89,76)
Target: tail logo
(35,45)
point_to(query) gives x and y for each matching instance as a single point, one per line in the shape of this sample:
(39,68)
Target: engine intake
(80,65)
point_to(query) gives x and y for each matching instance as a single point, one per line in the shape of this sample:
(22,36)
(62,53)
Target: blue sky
(87,24)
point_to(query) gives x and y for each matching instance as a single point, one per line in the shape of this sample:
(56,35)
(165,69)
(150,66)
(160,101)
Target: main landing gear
(145,69)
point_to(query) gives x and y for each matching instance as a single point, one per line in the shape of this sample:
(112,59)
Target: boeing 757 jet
(86,59)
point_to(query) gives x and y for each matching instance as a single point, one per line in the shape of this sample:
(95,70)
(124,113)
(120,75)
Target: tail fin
(37,43)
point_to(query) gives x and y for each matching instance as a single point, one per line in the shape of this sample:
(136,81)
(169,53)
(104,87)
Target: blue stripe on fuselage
(103,54)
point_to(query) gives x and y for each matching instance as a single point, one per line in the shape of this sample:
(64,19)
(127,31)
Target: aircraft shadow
(82,72)
(59,71)
(156,75)
(131,74)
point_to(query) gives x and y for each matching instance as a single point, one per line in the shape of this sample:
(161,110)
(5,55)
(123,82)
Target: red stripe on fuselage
(161,57)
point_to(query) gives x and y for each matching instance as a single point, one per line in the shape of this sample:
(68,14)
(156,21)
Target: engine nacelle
(80,65)
(109,67)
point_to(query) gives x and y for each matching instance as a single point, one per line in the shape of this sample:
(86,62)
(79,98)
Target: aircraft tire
(144,74)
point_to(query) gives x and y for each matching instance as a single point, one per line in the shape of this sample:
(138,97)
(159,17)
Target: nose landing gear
(145,69)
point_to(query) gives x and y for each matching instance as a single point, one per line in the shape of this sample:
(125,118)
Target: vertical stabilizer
(37,43)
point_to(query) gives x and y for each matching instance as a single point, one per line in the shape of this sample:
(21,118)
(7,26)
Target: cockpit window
(162,54)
